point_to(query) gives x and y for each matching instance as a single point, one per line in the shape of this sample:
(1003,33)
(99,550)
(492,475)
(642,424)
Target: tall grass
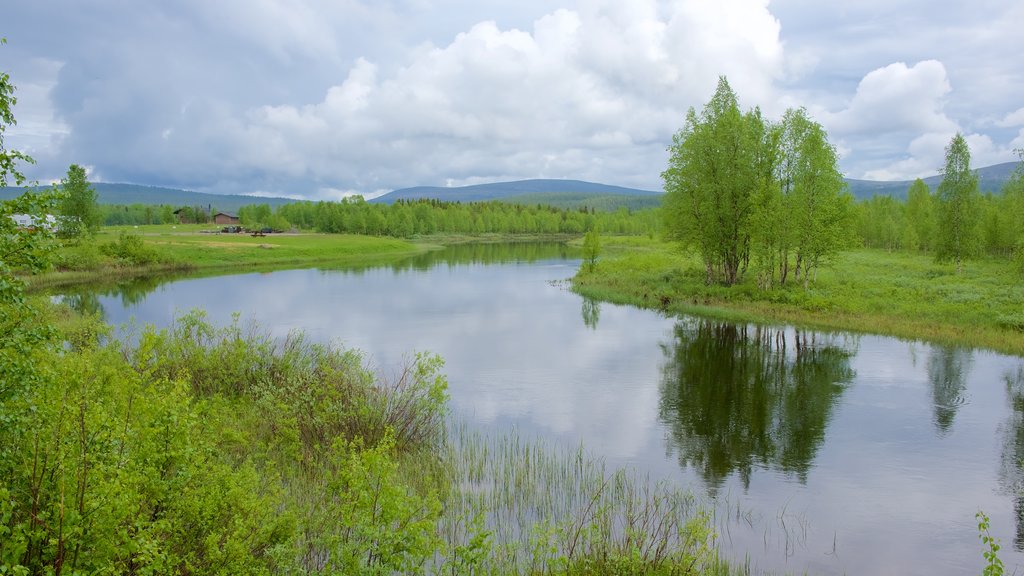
(554,510)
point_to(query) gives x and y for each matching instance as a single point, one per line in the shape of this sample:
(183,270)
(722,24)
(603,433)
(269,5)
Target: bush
(80,256)
(129,249)
(319,392)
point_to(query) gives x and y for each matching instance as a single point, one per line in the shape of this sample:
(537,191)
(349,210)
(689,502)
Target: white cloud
(584,94)
(897,98)
(305,95)
(897,127)
(1013,119)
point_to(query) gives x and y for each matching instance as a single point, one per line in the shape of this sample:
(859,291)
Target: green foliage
(80,214)
(9,159)
(959,206)
(116,473)
(385,526)
(920,225)
(24,337)
(130,250)
(136,214)
(79,256)
(597,202)
(711,181)
(408,218)
(900,293)
(741,190)
(591,248)
(993,564)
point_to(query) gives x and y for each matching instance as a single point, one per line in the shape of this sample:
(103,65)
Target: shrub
(129,249)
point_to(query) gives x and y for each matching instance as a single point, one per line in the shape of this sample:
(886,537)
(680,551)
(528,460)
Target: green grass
(901,294)
(193,248)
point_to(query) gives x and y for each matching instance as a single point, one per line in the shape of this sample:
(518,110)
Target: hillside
(601,202)
(107,193)
(506,190)
(558,193)
(990,179)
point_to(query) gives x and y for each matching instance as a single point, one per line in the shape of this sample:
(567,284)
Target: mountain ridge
(502,190)
(990,179)
(563,193)
(120,193)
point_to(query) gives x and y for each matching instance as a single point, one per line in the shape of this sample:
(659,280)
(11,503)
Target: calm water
(829,453)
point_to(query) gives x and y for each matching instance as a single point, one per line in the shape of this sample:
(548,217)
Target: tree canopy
(80,213)
(959,234)
(740,188)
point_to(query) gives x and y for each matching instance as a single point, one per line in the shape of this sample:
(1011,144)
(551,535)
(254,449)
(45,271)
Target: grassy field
(165,248)
(895,293)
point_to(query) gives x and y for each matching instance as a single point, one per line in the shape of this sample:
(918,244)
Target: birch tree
(959,233)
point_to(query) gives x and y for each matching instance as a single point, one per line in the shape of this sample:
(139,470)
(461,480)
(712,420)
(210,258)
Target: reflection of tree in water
(86,303)
(947,372)
(85,299)
(591,312)
(1011,472)
(734,397)
(487,253)
(136,289)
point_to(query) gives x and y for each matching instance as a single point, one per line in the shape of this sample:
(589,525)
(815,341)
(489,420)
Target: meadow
(122,251)
(899,293)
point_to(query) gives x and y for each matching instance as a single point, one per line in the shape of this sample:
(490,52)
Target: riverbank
(873,291)
(192,248)
(162,249)
(310,462)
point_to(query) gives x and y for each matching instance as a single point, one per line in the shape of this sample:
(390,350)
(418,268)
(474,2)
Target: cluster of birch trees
(956,221)
(752,195)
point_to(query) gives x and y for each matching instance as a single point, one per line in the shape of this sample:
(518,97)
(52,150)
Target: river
(826,452)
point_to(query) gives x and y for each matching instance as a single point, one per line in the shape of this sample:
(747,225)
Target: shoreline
(909,306)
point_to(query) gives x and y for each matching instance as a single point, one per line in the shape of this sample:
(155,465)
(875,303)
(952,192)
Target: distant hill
(990,179)
(107,193)
(507,190)
(559,193)
(601,202)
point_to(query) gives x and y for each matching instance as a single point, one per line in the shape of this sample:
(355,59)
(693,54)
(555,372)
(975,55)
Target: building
(29,222)
(225,218)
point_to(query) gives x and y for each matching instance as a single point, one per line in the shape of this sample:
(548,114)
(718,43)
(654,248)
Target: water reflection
(947,373)
(131,291)
(1011,473)
(86,303)
(590,309)
(736,397)
(487,253)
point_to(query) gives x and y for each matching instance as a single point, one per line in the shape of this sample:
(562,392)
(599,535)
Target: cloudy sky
(320,98)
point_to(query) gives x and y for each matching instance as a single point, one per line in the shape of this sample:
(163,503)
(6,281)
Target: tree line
(992,223)
(749,194)
(407,218)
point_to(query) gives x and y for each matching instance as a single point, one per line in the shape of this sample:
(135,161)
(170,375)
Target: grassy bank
(123,252)
(900,294)
(200,450)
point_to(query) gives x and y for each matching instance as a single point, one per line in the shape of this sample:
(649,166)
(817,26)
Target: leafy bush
(131,250)
(116,474)
(319,392)
(79,256)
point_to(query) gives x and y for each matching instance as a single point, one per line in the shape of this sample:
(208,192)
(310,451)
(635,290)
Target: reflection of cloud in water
(496,327)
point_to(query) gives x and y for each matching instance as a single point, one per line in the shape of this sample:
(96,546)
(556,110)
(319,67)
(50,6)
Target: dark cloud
(324,97)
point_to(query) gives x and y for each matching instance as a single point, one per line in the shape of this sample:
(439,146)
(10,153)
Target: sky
(321,99)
